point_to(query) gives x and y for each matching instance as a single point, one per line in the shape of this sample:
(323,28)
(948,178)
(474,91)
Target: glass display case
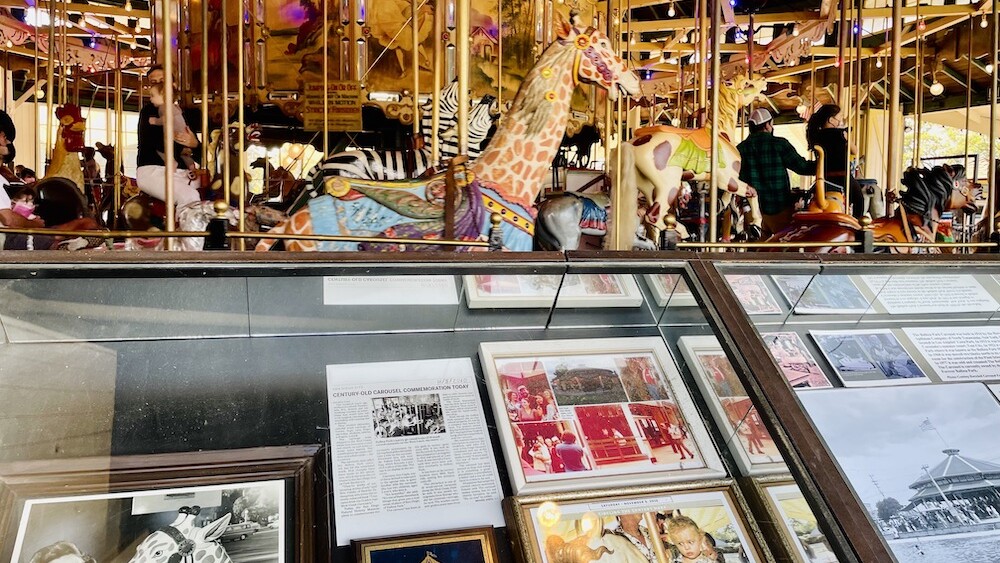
(656,405)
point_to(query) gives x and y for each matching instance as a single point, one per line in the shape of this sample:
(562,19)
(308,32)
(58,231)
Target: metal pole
(463,8)
(34,106)
(326,76)
(616,202)
(204,84)
(240,102)
(841,48)
(702,55)
(918,119)
(993,121)
(895,138)
(168,125)
(500,56)
(51,86)
(120,140)
(415,68)
(439,9)
(226,165)
(713,206)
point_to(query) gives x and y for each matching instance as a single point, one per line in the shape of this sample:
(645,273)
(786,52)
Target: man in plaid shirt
(766,160)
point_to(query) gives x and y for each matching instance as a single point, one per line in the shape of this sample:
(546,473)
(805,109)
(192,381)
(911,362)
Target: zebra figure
(370,164)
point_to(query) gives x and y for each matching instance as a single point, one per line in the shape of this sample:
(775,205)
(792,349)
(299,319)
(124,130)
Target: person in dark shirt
(765,161)
(825,128)
(150,173)
(571,454)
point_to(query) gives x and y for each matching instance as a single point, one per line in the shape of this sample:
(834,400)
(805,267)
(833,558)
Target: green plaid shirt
(765,162)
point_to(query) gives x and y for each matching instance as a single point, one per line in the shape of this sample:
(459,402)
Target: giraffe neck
(518,158)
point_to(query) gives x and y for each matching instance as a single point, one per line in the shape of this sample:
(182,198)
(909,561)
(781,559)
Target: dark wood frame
(23,481)
(484,534)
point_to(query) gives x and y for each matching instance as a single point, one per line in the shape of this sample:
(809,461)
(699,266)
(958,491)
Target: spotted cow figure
(183,542)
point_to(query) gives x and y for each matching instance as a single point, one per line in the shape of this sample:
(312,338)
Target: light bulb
(795,31)
(128,5)
(800,109)
(983,23)
(675,122)
(39,94)
(878,62)
(632,39)
(671,12)
(10,44)
(989,68)
(936,88)
(921,25)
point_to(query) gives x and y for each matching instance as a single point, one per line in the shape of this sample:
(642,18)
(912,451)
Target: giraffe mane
(531,97)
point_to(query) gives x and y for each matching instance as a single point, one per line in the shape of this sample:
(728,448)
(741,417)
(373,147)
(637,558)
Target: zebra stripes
(370,164)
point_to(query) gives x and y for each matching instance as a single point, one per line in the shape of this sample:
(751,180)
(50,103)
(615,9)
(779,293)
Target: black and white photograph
(820,294)
(407,415)
(865,358)
(226,523)
(924,460)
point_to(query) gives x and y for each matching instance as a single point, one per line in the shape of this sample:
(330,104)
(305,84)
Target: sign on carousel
(344,106)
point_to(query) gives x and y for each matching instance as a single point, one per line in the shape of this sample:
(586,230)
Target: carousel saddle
(838,219)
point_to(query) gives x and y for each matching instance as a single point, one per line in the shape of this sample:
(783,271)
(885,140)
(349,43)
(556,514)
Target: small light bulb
(675,122)
(800,109)
(10,44)
(632,39)
(989,68)
(795,31)
(39,94)
(936,88)
(921,25)
(671,12)
(128,5)
(878,62)
(983,23)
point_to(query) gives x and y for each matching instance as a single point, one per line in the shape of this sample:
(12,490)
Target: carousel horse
(564,218)
(929,194)
(659,158)
(182,542)
(505,179)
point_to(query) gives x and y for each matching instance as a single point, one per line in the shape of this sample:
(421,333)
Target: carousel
(477,125)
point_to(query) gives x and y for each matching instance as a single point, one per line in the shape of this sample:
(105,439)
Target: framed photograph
(670,290)
(819,294)
(662,525)
(796,522)
(796,362)
(576,414)
(734,413)
(924,459)
(474,545)
(754,294)
(237,505)
(867,358)
(497,291)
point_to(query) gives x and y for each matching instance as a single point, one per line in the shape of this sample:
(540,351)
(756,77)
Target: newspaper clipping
(409,446)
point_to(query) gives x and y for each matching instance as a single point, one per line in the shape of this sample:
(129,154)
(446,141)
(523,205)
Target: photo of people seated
(409,415)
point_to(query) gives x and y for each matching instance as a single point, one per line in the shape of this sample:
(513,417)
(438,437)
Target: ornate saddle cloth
(693,153)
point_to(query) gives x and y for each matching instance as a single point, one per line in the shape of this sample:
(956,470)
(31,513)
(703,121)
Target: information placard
(923,295)
(968,353)
(343,106)
(390,290)
(410,449)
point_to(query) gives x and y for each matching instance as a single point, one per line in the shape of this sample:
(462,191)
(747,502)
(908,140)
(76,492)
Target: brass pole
(240,102)
(713,207)
(617,122)
(34,104)
(415,68)
(168,125)
(848,104)
(116,196)
(841,48)
(702,56)
(51,86)
(439,9)
(500,56)
(918,119)
(895,137)
(326,76)
(205,133)
(994,83)
(463,8)
(226,165)
(64,38)
(968,99)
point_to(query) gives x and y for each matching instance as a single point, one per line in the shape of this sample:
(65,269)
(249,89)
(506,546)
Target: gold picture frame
(470,545)
(793,521)
(705,518)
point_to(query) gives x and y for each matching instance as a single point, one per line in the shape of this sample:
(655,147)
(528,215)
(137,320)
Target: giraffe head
(172,545)
(596,61)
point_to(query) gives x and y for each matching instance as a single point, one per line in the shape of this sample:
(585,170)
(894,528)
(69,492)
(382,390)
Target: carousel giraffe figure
(658,158)
(183,542)
(505,179)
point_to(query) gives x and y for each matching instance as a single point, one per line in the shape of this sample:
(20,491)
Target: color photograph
(819,294)
(691,526)
(924,461)
(795,360)
(238,523)
(592,413)
(868,357)
(798,524)
(460,546)
(540,291)
(753,293)
(734,413)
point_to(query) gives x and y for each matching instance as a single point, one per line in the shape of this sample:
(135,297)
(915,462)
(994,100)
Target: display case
(574,403)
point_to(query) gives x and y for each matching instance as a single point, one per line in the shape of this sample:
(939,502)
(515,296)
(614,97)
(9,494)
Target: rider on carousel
(8,216)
